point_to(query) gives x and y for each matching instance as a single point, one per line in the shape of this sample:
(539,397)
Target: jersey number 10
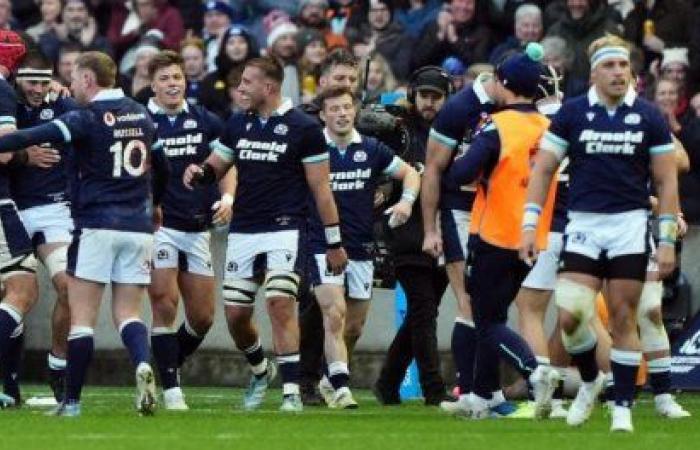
(123,158)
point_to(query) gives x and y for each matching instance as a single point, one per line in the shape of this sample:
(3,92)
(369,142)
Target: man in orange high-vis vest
(500,158)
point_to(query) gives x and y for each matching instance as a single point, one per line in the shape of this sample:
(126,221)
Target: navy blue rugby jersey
(187,138)
(34,186)
(270,155)
(113,147)
(8,113)
(354,175)
(609,151)
(454,127)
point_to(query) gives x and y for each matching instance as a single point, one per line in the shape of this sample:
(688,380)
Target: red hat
(12,49)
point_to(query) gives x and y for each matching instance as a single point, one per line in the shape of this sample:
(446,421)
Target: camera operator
(419,274)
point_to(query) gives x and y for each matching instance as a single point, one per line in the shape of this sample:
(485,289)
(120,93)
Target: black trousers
(310,338)
(417,337)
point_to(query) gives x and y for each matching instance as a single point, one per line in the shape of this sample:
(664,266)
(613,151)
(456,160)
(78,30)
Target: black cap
(432,79)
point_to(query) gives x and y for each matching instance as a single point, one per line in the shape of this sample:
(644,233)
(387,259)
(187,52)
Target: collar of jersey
(628,99)
(155,109)
(478,88)
(284,107)
(356,138)
(109,94)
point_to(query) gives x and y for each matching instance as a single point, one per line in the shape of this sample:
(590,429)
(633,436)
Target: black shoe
(435,399)
(310,395)
(385,396)
(57,383)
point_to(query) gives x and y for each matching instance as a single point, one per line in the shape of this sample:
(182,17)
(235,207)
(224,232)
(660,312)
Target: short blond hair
(102,65)
(609,40)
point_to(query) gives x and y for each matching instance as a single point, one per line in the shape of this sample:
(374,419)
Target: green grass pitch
(217,421)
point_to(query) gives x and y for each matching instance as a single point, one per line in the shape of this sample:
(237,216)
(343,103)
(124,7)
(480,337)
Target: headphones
(415,76)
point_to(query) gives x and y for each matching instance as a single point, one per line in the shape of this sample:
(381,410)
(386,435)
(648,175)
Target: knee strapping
(56,261)
(579,301)
(240,292)
(652,334)
(281,283)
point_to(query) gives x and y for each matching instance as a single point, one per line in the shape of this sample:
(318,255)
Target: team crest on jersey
(281,129)
(283,221)
(189,124)
(360,156)
(109,119)
(162,254)
(46,114)
(590,116)
(633,119)
(248,126)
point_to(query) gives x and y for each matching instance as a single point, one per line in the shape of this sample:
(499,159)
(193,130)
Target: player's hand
(336,260)
(224,210)
(42,157)
(666,258)
(400,213)
(682,225)
(432,244)
(57,90)
(157,217)
(527,249)
(192,173)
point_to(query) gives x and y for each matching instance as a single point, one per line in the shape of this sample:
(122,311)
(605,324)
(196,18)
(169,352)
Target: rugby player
(357,164)
(279,154)
(112,207)
(450,137)
(617,144)
(40,190)
(181,253)
(17,264)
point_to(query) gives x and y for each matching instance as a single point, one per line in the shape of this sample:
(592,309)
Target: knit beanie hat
(521,72)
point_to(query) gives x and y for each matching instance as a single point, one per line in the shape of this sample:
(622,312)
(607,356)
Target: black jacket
(406,242)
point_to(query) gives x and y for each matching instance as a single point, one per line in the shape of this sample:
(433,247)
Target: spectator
(458,31)
(237,46)
(79,27)
(313,15)
(380,78)
(557,55)
(282,45)
(456,70)
(236,104)
(415,15)
(138,84)
(313,49)
(194,58)
(528,28)
(655,25)
(218,17)
(382,35)
(5,14)
(131,19)
(695,105)
(67,55)
(674,65)
(50,18)
(344,14)
(502,15)
(694,50)
(584,21)
(666,96)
